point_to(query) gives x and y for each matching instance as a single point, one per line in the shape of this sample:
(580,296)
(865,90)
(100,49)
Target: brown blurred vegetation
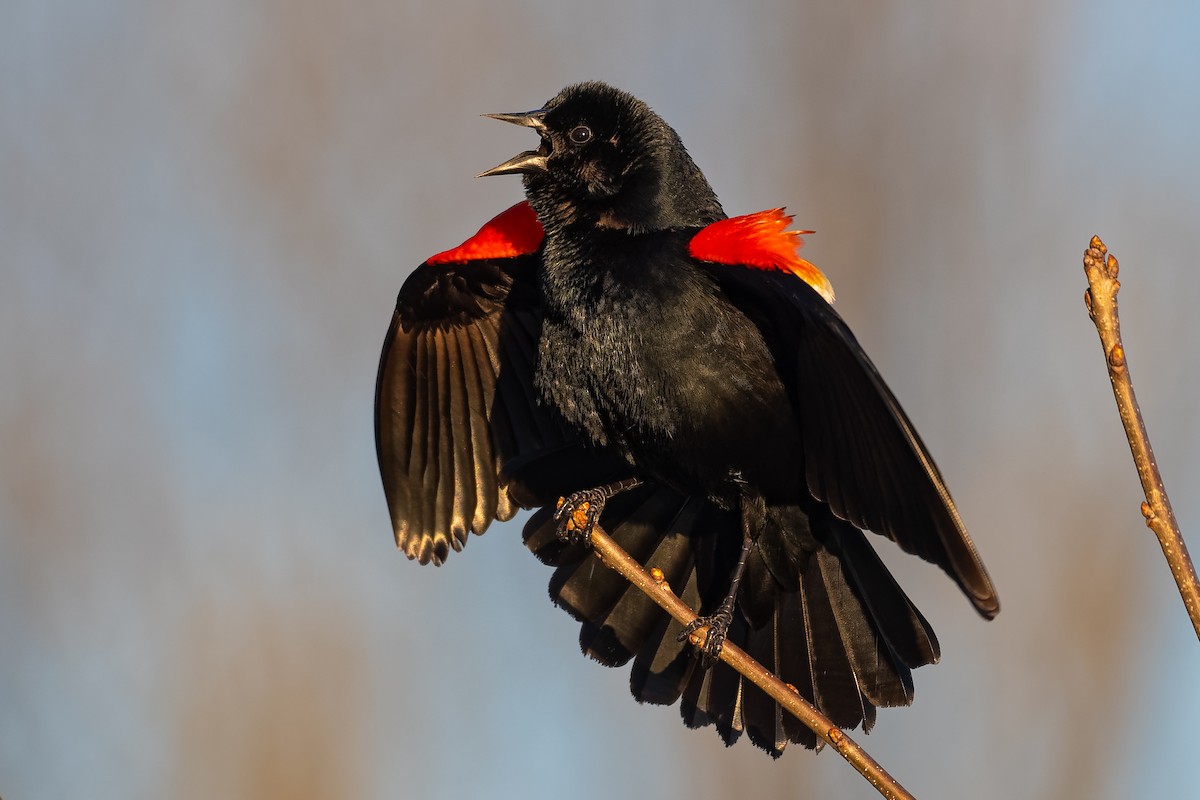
(206,210)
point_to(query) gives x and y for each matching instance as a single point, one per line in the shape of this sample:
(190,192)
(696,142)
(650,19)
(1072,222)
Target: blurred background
(206,210)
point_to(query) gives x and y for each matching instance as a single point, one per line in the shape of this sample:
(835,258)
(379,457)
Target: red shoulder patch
(761,241)
(515,232)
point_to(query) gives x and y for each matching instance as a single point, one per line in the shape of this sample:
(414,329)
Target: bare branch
(653,585)
(1101,300)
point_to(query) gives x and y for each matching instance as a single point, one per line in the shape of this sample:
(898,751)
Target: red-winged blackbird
(683,376)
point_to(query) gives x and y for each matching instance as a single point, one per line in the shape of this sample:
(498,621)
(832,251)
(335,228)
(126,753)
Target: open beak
(530,161)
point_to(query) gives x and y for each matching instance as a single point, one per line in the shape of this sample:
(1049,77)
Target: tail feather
(591,590)
(541,537)
(674,660)
(881,679)
(795,663)
(614,637)
(711,697)
(835,684)
(842,632)
(763,716)
(617,618)
(581,584)
(714,696)
(663,665)
(904,629)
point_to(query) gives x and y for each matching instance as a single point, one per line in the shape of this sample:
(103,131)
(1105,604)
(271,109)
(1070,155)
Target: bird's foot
(718,627)
(578,512)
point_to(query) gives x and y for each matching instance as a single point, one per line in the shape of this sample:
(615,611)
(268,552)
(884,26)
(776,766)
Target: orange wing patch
(515,232)
(761,241)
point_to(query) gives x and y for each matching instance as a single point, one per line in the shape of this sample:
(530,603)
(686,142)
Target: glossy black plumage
(737,394)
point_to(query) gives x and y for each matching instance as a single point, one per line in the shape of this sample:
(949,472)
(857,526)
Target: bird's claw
(714,640)
(577,514)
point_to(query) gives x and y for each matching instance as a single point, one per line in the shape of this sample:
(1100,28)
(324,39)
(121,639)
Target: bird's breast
(659,365)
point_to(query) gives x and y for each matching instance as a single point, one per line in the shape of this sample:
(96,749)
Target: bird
(615,350)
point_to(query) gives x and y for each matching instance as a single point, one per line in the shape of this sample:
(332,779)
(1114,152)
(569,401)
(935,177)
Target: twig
(1101,301)
(652,584)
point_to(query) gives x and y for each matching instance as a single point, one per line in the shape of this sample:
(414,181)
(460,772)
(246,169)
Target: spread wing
(862,455)
(455,400)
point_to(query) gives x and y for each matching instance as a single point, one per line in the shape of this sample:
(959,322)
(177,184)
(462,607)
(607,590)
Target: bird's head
(607,159)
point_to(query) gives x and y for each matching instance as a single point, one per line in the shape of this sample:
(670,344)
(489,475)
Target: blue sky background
(206,210)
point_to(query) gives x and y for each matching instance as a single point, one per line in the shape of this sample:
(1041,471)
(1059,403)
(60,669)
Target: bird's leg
(718,622)
(753,520)
(578,512)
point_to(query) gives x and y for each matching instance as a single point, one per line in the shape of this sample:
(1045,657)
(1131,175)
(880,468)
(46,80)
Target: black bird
(682,377)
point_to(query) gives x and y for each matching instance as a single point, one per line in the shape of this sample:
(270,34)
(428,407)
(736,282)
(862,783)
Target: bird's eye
(580,134)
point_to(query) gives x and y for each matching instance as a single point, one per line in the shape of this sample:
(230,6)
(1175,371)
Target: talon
(578,513)
(577,516)
(714,640)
